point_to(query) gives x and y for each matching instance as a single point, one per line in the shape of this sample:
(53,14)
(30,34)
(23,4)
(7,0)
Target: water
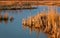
(14,29)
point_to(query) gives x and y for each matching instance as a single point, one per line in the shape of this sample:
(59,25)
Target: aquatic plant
(48,23)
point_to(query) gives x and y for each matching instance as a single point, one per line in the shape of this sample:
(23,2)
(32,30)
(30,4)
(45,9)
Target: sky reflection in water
(14,29)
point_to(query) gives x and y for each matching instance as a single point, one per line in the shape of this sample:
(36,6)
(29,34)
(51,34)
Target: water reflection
(45,22)
(33,29)
(15,29)
(11,18)
(5,18)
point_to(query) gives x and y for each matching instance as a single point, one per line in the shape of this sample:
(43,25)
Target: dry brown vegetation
(48,23)
(33,2)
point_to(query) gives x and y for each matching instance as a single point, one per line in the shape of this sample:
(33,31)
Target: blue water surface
(14,29)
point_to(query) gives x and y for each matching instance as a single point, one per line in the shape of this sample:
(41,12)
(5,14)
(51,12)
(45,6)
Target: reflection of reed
(5,18)
(48,23)
(31,29)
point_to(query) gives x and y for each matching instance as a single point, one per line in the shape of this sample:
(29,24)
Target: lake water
(14,29)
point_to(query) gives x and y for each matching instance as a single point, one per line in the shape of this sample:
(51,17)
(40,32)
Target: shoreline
(5,3)
(28,4)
